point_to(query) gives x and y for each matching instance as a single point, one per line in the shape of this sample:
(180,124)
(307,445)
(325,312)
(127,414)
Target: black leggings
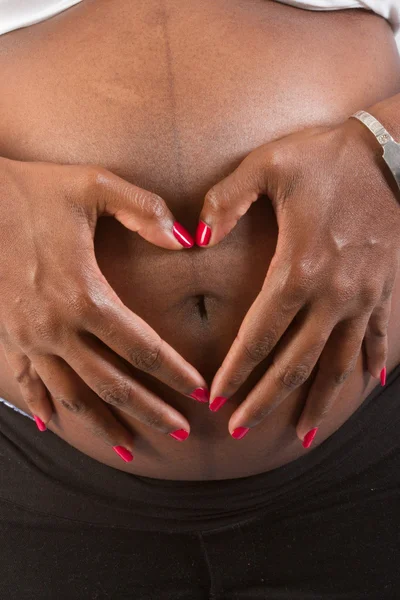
(325,526)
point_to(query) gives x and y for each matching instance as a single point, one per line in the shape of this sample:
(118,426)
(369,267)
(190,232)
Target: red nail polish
(383,376)
(180,434)
(309,437)
(200,394)
(217,403)
(123,453)
(240,432)
(40,425)
(203,234)
(182,235)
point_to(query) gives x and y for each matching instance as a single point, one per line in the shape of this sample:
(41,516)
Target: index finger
(129,336)
(264,324)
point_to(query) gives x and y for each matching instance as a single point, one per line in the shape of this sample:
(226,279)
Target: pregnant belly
(171,96)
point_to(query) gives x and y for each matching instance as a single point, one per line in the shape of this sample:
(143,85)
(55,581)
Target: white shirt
(21,13)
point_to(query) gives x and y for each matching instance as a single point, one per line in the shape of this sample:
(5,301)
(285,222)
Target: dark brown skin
(183,91)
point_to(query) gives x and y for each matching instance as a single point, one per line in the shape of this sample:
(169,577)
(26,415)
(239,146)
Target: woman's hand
(330,281)
(62,326)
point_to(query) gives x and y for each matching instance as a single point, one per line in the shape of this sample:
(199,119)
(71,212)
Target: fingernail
(217,403)
(309,437)
(182,235)
(383,376)
(123,453)
(40,425)
(180,434)
(240,432)
(200,394)
(203,234)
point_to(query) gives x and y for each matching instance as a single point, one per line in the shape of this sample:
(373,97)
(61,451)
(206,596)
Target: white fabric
(389,9)
(20,13)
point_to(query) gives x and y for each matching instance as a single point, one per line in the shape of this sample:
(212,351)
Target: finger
(376,338)
(266,321)
(337,362)
(227,201)
(69,391)
(33,390)
(133,339)
(110,380)
(291,368)
(141,211)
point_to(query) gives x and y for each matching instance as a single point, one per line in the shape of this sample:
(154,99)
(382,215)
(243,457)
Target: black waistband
(45,474)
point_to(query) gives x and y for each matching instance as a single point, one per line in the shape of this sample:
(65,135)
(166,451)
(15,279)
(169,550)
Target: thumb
(231,198)
(141,211)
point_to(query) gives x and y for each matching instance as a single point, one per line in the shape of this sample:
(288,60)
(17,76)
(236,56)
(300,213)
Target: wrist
(390,147)
(363,155)
(383,148)
(387,112)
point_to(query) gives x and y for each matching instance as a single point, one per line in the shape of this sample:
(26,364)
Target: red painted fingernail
(200,394)
(383,376)
(309,437)
(203,234)
(40,425)
(123,453)
(180,434)
(217,403)
(240,432)
(182,235)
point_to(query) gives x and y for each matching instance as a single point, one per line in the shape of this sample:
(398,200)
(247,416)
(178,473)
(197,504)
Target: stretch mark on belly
(201,305)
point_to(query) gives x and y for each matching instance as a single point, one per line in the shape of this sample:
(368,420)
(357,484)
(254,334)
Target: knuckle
(91,303)
(213,200)
(92,178)
(21,335)
(342,290)
(370,295)
(294,376)
(71,404)
(341,374)
(305,271)
(293,290)
(85,303)
(235,379)
(379,328)
(259,349)
(23,375)
(146,359)
(274,158)
(155,420)
(117,394)
(46,326)
(151,205)
(96,176)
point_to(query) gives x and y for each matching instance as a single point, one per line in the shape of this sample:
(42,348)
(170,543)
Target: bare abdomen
(171,96)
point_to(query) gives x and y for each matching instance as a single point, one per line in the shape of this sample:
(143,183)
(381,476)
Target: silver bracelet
(391,149)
